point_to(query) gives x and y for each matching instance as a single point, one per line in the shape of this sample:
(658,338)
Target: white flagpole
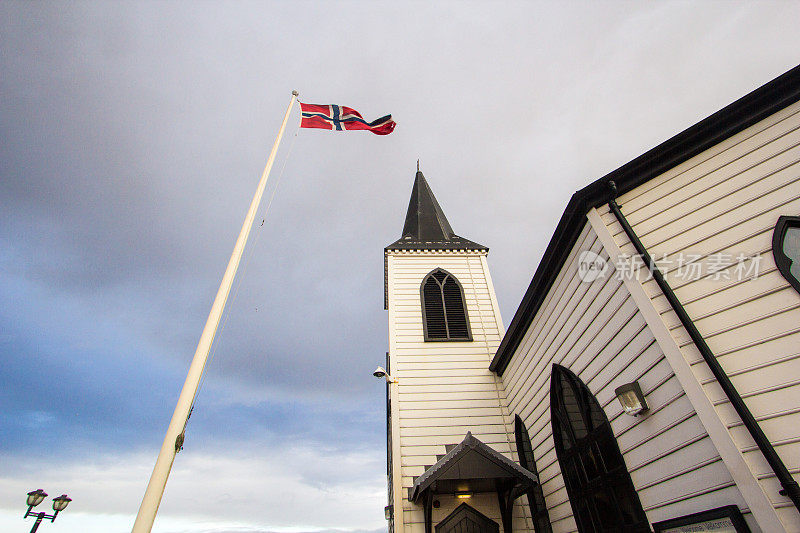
(174,438)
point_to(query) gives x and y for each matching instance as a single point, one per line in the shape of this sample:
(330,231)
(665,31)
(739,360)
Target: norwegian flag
(339,117)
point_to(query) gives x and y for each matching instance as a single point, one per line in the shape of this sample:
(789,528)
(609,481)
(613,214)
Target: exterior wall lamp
(632,399)
(388,512)
(380,372)
(36,497)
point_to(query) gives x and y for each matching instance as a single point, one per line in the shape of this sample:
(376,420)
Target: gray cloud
(134,134)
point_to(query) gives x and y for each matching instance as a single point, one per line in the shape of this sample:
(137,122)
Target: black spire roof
(426,227)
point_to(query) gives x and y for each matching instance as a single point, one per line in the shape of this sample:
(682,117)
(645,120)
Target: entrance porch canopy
(474,467)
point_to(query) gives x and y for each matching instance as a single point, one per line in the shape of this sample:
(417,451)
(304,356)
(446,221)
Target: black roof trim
(455,243)
(461,451)
(741,114)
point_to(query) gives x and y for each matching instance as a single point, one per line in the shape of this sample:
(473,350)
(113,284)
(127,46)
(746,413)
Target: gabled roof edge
(470,442)
(741,114)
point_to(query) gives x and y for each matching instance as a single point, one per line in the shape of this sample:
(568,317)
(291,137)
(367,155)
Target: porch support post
(506,500)
(428,510)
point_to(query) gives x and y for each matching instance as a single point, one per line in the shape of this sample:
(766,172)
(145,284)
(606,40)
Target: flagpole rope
(174,438)
(504,411)
(248,257)
(278,182)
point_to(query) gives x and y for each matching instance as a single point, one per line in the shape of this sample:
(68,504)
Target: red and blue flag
(339,118)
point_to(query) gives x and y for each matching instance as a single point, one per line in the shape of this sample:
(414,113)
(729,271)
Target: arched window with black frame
(541,520)
(444,310)
(786,249)
(599,486)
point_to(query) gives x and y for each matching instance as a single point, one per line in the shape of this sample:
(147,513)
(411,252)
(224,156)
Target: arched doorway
(600,489)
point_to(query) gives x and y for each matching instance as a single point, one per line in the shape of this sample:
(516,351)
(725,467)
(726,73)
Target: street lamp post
(36,497)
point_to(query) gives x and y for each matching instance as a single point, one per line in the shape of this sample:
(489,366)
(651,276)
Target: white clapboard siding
(445,389)
(722,205)
(457,432)
(596,330)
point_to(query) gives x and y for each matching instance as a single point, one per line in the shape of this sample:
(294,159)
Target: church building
(650,378)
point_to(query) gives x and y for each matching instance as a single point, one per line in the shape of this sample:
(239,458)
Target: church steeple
(425,221)
(443,319)
(426,227)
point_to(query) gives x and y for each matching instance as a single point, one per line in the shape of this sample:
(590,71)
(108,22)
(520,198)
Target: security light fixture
(380,372)
(632,399)
(463,494)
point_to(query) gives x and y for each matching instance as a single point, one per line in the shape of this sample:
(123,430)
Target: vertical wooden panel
(445,389)
(596,330)
(721,207)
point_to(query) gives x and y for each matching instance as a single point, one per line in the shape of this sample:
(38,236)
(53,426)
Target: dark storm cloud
(133,134)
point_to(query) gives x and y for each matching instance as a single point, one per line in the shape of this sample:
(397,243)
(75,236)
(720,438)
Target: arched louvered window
(600,489)
(444,311)
(541,520)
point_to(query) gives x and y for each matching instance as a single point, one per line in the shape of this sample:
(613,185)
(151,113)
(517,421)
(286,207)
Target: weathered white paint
(723,443)
(597,330)
(444,389)
(727,200)
(395,476)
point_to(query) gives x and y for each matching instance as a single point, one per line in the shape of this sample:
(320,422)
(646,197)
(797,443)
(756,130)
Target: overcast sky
(132,135)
